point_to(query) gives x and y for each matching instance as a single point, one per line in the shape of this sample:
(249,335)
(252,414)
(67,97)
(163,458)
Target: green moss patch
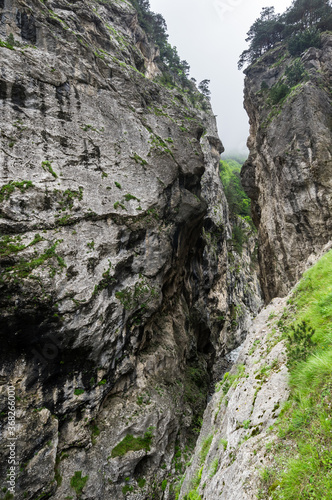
(131,443)
(78,482)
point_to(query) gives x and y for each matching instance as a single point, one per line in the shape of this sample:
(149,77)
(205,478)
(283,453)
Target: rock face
(289,170)
(120,293)
(236,422)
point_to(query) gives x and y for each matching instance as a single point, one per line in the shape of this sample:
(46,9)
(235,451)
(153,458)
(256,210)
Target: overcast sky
(210,35)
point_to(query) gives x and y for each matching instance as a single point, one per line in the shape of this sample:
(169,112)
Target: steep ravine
(120,291)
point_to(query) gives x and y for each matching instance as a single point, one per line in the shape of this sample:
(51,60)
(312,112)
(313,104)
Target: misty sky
(210,35)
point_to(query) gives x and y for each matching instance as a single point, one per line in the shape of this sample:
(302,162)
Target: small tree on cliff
(300,25)
(203,87)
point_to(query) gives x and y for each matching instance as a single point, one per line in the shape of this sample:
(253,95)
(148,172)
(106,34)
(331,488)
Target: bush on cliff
(300,26)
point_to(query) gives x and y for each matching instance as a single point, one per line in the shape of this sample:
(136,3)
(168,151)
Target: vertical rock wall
(288,173)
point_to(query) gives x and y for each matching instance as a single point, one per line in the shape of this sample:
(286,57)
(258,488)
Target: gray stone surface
(242,416)
(289,170)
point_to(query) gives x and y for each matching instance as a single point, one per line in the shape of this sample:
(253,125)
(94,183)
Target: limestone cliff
(289,170)
(120,291)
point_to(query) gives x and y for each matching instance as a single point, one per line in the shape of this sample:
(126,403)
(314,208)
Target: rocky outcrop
(231,448)
(120,292)
(288,173)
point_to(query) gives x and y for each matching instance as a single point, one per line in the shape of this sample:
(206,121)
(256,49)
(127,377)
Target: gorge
(128,283)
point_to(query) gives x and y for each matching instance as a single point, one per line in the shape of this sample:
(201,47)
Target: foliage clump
(130,443)
(300,343)
(78,482)
(8,189)
(175,71)
(205,448)
(238,201)
(299,27)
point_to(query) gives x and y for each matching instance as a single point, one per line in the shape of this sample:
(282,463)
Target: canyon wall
(289,170)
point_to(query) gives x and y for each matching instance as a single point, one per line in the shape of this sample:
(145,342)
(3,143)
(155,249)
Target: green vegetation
(223,443)
(138,159)
(137,297)
(130,443)
(175,72)
(205,448)
(214,467)
(192,495)
(294,75)
(238,201)
(304,467)
(78,482)
(78,392)
(12,244)
(8,189)
(68,196)
(299,27)
(127,489)
(129,197)
(8,45)
(229,381)
(300,344)
(141,482)
(47,165)
(23,269)
(164,485)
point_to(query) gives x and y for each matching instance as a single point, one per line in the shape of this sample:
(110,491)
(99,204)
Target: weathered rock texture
(238,417)
(288,174)
(120,293)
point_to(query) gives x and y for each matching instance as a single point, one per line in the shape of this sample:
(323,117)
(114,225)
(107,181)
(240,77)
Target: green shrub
(130,443)
(295,73)
(164,485)
(141,482)
(78,392)
(224,443)
(8,189)
(279,92)
(205,448)
(127,489)
(78,482)
(246,424)
(47,165)
(196,480)
(239,237)
(300,343)
(192,495)
(303,41)
(214,467)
